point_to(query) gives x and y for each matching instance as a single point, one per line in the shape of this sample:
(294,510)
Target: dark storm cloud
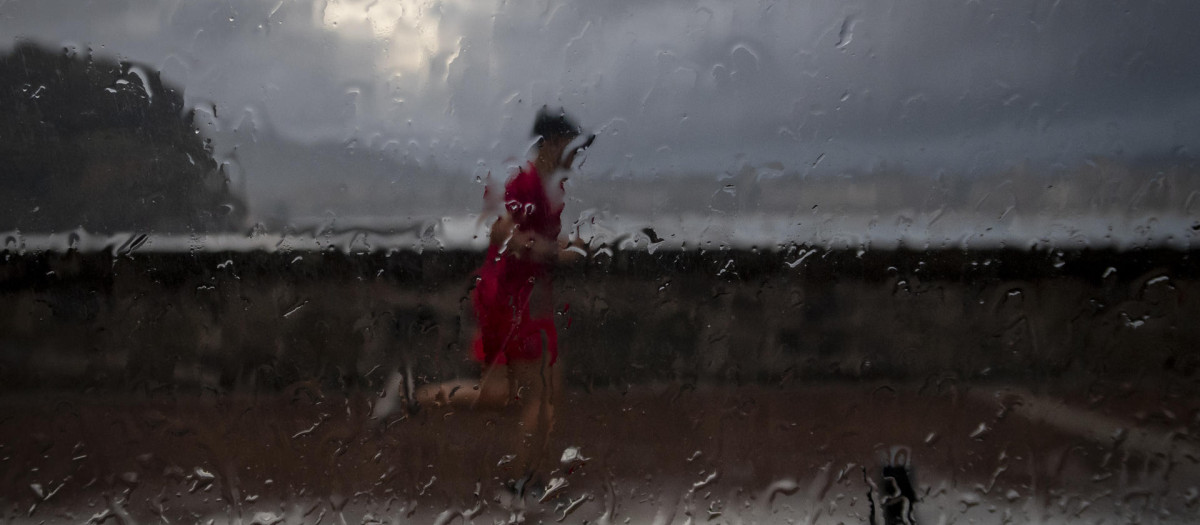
(676,86)
(1018,64)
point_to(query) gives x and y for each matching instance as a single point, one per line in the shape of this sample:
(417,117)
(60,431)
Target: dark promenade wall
(267,320)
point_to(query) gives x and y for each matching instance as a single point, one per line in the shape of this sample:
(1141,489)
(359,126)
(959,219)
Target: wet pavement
(665,453)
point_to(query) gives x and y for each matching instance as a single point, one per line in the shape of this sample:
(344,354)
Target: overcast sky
(969,86)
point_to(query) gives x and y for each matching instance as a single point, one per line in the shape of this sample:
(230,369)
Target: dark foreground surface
(976,453)
(702,387)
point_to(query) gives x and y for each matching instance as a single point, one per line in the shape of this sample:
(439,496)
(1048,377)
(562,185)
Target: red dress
(508,330)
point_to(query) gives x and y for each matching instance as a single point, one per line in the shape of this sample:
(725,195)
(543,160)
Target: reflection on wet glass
(306,262)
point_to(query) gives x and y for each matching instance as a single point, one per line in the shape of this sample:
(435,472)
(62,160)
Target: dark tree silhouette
(106,146)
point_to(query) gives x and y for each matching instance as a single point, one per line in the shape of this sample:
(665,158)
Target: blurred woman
(516,341)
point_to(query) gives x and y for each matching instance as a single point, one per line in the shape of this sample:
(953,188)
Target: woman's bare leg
(536,384)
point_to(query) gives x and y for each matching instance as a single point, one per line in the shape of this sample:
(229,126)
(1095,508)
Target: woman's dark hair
(551,124)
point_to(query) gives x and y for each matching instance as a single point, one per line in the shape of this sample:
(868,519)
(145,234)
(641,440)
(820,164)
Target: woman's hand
(572,251)
(541,248)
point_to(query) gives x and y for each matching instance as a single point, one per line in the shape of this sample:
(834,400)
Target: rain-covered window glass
(484,261)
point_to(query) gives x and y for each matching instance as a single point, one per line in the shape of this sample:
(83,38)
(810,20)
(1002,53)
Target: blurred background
(830,239)
(377,113)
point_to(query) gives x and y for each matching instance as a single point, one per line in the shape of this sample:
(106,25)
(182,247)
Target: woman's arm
(501,231)
(522,244)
